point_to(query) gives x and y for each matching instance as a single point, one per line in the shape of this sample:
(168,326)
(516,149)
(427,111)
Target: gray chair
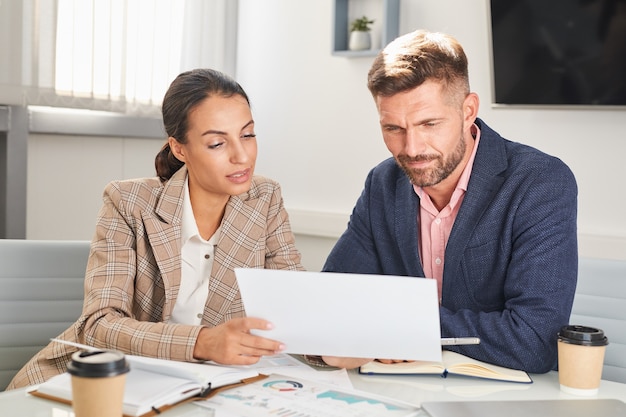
(600,302)
(41,295)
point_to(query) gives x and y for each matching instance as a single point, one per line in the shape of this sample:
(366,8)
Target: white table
(418,389)
(412,389)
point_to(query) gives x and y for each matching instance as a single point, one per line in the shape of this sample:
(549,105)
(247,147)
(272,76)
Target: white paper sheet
(285,364)
(352,315)
(282,395)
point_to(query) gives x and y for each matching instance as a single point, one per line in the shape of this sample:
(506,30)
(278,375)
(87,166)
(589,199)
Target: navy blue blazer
(511,261)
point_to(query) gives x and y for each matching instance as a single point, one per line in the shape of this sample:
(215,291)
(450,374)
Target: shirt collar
(189,226)
(467,171)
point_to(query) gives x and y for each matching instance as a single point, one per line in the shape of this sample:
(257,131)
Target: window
(115,55)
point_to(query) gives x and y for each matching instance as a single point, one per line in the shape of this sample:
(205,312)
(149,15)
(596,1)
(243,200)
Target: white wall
(66,177)
(67,174)
(318,133)
(317,124)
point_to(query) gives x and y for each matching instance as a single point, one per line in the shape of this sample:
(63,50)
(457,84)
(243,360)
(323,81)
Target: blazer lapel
(407,203)
(163,229)
(484,183)
(238,246)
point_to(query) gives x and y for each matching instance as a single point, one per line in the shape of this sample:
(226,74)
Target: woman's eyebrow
(213,132)
(220,132)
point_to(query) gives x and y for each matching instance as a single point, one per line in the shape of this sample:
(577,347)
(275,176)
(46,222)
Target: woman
(160,279)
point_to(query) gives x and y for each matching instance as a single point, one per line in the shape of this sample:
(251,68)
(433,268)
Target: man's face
(425,132)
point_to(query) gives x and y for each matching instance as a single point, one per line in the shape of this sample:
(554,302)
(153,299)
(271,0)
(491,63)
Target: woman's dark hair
(188,90)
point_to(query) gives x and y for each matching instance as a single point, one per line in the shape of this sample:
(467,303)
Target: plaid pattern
(133,272)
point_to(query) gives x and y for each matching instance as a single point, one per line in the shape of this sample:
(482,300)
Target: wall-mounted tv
(559,52)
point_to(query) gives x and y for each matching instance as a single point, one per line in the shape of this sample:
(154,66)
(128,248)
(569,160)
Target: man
(493,221)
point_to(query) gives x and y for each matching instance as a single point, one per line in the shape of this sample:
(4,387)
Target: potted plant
(360,38)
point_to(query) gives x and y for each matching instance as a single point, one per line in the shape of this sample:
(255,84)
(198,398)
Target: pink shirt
(434,226)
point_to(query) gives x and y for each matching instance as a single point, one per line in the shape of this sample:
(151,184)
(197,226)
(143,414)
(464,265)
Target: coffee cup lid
(97,364)
(583,335)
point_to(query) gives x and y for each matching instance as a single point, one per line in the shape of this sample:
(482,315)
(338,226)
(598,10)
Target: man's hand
(350,363)
(231,343)
(391,360)
(347,363)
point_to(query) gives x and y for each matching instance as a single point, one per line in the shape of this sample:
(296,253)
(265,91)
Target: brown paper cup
(98,397)
(581,357)
(98,380)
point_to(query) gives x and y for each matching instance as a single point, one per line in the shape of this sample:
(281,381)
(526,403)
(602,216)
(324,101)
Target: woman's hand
(231,343)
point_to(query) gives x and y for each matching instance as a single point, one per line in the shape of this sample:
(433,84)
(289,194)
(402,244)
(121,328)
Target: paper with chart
(281,395)
(353,315)
(285,364)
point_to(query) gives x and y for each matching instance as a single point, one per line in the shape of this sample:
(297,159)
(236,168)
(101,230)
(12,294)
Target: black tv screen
(559,52)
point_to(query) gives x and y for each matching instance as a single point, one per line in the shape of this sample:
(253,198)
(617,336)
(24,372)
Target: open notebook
(154,385)
(452,364)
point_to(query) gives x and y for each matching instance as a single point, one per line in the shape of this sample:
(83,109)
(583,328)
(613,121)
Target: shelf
(341,25)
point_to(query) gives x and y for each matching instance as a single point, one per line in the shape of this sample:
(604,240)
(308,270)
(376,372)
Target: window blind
(113,55)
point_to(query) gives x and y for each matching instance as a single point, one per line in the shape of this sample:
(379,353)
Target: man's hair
(416,57)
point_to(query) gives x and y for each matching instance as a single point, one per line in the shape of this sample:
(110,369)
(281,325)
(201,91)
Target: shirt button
(438,261)
(199,315)
(437,221)
(207,256)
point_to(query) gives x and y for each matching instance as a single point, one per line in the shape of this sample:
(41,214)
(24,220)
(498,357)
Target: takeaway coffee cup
(581,355)
(98,380)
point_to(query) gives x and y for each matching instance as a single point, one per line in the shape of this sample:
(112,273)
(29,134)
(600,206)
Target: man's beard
(434,175)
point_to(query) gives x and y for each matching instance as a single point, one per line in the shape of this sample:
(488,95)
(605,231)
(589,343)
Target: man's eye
(249,136)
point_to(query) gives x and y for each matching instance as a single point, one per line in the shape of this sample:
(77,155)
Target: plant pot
(359,41)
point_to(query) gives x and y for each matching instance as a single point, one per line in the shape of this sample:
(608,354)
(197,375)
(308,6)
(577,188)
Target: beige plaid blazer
(133,271)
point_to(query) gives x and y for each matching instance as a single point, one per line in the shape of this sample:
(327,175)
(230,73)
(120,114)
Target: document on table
(285,364)
(352,315)
(282,395)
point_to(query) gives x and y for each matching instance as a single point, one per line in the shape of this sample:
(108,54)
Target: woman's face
(221,147)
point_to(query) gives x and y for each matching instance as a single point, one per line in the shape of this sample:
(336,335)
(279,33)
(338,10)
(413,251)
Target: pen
(78,345)
(449,341)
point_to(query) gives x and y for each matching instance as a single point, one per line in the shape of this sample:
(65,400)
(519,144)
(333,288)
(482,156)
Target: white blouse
(196,264)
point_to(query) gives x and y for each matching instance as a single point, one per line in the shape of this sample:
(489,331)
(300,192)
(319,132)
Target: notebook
(154,385)
(530,408)
(452,363)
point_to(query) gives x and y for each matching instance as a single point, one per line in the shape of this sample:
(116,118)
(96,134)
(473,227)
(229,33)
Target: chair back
(600,302)
(41,295)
